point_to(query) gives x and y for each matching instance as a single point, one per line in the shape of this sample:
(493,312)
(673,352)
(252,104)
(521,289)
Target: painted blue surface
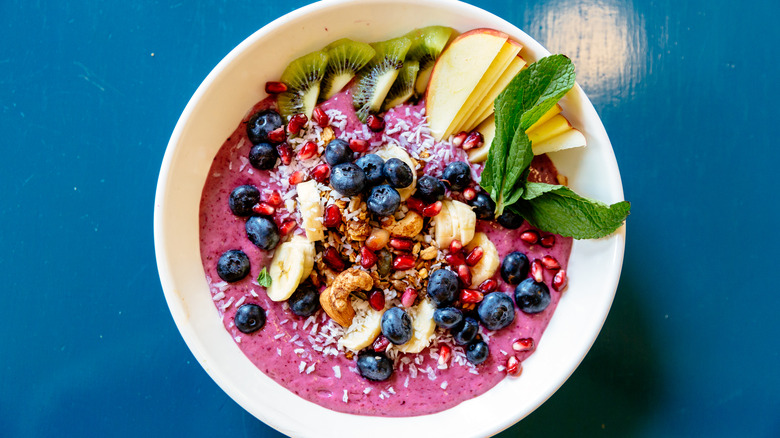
(90,92)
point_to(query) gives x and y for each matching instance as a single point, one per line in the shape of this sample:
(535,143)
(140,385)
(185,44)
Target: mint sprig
(264,279)
(553,208)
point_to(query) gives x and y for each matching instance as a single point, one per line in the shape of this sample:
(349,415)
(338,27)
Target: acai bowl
(228,96)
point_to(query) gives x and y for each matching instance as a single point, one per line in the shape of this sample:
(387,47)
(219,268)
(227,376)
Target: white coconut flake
(240,301)
(337,371)
(254,294)
(444,385)
(278,336)
(302,367)
(279,352)
(219,296)
(406,382)
(366,391)
(311,368)
(345,398)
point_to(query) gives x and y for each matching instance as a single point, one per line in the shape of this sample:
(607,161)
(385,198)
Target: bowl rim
(179,309)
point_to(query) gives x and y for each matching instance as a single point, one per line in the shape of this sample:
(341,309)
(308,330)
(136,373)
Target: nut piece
(358,230)
(408,227)
(335,299)
(429,253)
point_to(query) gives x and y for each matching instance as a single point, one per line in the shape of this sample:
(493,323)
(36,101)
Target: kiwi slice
(303,77)
(427,45)
(403,87)
(345,59)
(375,79)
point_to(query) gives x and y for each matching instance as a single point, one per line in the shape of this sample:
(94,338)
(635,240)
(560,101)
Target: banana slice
(365,327)
(488,264)
(311,210)
(390,151)
(443,230)
(466,220)
(286,270)
(308,253)
(423,327)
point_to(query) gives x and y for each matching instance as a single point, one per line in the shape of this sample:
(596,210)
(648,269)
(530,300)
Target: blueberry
(514,267)
(510,221)
(242,199)
(305,300)
(261,123)
(447,317)
(263,232)
(337,152)
(466,331)
(496,310)
(372,166)
(397,325)
(374,366)
(263,156)
(484,206)
(430,189)
(249,318)
(348,179)
(397,173)
(233,265)
(477,352)
(458,174)
(383,200)
(532,297)
(443,287)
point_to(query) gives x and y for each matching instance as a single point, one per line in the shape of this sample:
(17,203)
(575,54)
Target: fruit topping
(510,221)
(488,285)
(233,265)
(264,209)
(261,124)
(320,117)
(321,173)
(263,232)
(296,123)
(367,258)
(308,150)
(305,300)
(358,145)
(374,366)
(292,263)
(296,178)
(375,123)
(249,318)
(496,311)
(333,259)
(345,58)
(458,175)
(430,189)
(242,199)
(550,263)
(523,344)
(372,164)
(332,216)
(263,156)
(444,357)
(432,209)
(477,352)
(466,331)
(547,241)
(404,262)
(403,87)
(347,179)
(285,153)
(530,236)
(443,287)
(447,317)
(427,44)
(302,77)
(409,297)
(513,367)
(275,87)
(537,271)
(397,173)
(397,326)
(377,300)
(383,200)
(532,296)
(514,268)
(401,243)
(337,152)
(484,207)
(374,81)
(471,296)
(473,140)
(475,256)
(560,280)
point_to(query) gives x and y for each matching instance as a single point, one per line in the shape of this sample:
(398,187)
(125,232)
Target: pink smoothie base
(283,350)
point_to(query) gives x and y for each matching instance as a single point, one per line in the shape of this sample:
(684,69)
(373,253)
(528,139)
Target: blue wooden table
(90,92)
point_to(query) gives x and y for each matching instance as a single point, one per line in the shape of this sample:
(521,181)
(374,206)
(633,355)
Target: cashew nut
(335,299)
(408,227)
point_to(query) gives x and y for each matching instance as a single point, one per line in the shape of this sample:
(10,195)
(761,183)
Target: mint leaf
(264,279)
(557,209)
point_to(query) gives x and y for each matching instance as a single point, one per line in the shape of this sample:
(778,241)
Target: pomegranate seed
(332,216)
(380,343)
(375,123)
(469,193)
(285,153)
(321,173)
(513,367)
(455,259)
(408,297)
(458,140)
(524,344)
(296,123)
(332,258)
(296,178)
(274,198)
(377,300)
(358,145)
(444,357)
(474,140)
(432,210)
(320,117)
(308,150)
(464,273)
(415,204)
(548,241)
(377,239)
(550,263)
(456,246)
(401,244)
(287,226)
(264,209)
(471,296)
(560,280)
(529,236)
(367,258)
(536,271)
(277,136)
(488,286)
(404,262)
(273,87)
(475,256)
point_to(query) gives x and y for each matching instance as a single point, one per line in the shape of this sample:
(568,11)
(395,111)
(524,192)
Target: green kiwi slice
(345,58)
(375,79)
(302,77)
(427,45)
(403,87)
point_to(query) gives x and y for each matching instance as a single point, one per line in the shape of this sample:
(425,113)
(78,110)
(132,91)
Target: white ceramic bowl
(220,102)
